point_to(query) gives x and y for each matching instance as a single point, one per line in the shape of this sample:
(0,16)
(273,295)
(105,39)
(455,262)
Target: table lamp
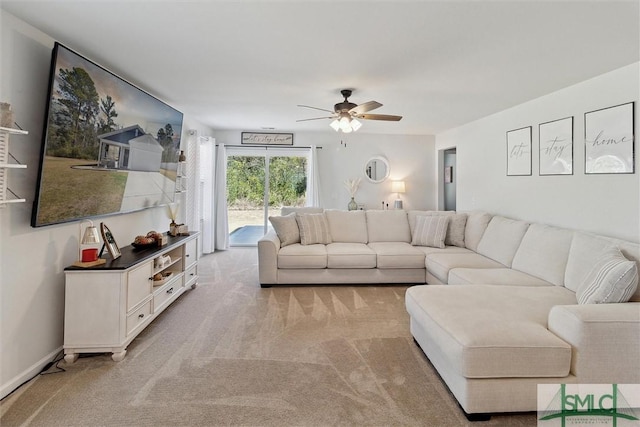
(88,257)
(397,187)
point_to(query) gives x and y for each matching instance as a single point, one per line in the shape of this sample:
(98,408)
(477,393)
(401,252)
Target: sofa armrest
(268,248)
(605,340)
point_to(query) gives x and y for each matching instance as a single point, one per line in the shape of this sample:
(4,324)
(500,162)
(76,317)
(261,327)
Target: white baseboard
(28,374)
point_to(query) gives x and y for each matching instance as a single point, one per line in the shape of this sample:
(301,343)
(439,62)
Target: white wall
(411,158)
(604,204)
(32,260)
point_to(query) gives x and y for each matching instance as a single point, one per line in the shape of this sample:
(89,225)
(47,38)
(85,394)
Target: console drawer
(138,317)
(165,293)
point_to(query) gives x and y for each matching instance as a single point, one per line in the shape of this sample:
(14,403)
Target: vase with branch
(173,213)
(352,185)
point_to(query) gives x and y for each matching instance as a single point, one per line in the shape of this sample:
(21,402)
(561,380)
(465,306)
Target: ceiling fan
(345,114)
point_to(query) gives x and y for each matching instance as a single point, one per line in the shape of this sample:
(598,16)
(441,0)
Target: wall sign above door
(260,138)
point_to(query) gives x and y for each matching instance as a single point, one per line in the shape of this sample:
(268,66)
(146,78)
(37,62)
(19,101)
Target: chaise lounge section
(494,332)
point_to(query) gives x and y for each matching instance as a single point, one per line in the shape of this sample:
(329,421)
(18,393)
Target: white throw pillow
(613,279)
(314,228)
(430,230)
(286,228)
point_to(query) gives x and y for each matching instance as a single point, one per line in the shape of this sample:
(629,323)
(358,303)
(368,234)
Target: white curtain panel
(207,163)
(191,207)
(220,200)
(313,178)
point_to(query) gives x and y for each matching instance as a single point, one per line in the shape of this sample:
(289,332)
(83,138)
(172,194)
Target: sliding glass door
(259,183)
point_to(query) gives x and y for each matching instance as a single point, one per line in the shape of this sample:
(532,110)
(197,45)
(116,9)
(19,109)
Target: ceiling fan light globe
(345,124)
(335,125)
(355,125)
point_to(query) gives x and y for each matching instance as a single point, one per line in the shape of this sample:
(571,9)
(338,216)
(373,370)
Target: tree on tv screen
(75,121)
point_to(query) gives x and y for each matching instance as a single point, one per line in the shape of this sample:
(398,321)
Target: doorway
(259,183)
(449,181)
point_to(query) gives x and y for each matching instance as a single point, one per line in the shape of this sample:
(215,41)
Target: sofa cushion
(286,227)
(543,253)
(440,264)
(477,222)
(493,331)
(397,255)
(502,238)
(302,256)
(430,231)
(586,250)
(347,226)
(388,226)
(313,229)
(613,279)
(350,255)
(493,276)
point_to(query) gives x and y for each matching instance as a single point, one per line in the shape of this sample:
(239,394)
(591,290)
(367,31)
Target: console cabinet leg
(118,357)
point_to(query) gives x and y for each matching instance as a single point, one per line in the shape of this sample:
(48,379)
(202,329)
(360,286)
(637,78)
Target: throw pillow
(430,230)
(612,279)
(455,232)
(314,228)
(286,228)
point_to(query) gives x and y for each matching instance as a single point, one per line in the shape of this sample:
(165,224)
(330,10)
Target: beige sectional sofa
(500,313)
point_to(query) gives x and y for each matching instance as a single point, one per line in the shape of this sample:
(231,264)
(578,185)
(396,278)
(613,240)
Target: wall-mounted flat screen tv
(108,147)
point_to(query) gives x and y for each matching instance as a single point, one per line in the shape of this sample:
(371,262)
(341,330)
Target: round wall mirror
(376,169)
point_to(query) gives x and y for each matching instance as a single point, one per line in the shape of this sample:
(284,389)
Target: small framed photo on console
(109,241)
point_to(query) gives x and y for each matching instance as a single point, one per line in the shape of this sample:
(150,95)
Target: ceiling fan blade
(316,108)
(367,106)
(386,117)
(316,118)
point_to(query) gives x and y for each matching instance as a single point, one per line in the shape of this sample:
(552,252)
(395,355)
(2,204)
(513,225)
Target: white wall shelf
(4,164)
(14,131)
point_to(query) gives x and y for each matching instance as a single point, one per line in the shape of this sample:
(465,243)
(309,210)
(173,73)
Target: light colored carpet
(231,353)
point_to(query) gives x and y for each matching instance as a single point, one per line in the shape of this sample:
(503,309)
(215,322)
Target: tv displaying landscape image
(108,146)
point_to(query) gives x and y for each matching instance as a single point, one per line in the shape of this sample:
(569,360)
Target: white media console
(108,305)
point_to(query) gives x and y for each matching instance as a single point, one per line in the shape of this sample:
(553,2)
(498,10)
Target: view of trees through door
(257,187)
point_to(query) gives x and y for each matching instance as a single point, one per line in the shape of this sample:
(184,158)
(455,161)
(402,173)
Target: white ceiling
(247,64)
